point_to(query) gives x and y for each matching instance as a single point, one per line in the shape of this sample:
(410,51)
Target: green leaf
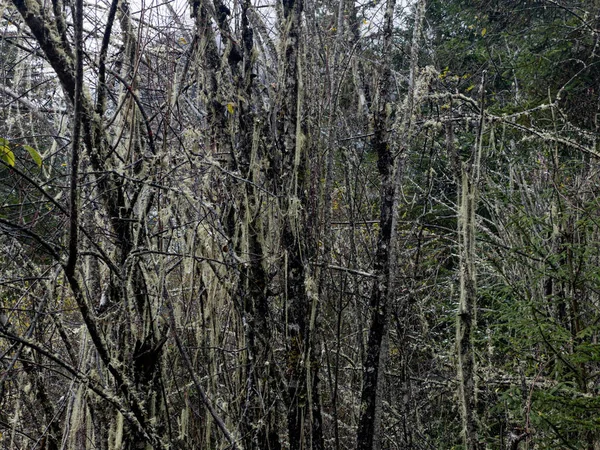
(7,155)
(34,155)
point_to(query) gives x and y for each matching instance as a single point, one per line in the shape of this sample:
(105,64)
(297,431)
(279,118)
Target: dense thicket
(300,225)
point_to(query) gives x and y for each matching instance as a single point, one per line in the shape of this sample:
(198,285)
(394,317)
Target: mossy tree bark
(293,179)
(130,353)
(467,307)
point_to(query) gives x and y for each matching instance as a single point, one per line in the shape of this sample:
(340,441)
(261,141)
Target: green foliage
(8,156)
(544,327)
(34,155)
(530,52)
(5,153)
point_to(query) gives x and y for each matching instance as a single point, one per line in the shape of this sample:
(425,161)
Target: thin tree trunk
(466,317)
(369,433)
(370,405)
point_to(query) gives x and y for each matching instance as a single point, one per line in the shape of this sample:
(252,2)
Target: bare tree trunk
(368,430)
(385,267)
(368,437)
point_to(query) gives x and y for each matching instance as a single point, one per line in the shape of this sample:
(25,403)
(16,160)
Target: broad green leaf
(230,107)
(7,155)
(34,154)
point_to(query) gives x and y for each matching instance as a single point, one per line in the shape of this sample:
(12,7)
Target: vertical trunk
(293,179)
(466,317)
(466,311)
(258,419)
(368,437)
(330,143)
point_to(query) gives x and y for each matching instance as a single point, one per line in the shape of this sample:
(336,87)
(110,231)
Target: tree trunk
(389,163)
(466,316)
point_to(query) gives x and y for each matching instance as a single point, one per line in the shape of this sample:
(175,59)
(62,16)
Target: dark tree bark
(390,161)
(368,437)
